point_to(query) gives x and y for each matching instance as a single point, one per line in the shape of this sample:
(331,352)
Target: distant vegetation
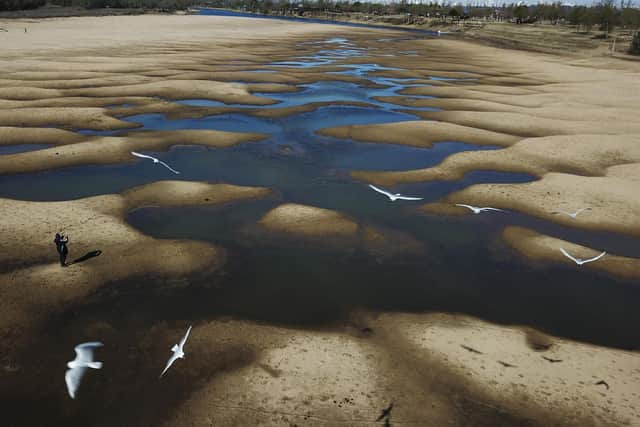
(604,15)
(20,4)
(635,44)
(96,4)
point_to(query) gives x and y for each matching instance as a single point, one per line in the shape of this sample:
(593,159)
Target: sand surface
(612,199)
(418,133)
(109,150)
(325,227)
(546,248)
(426,364)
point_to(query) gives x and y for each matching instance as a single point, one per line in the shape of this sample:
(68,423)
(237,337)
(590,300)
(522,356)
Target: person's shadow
(87,256)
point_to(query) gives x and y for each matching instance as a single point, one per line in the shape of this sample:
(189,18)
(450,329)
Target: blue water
(21,148)
(327,91)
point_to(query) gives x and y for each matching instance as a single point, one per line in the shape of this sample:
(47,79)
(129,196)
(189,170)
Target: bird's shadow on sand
(87,256)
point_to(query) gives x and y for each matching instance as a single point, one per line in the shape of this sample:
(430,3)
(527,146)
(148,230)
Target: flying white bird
(572,214)
(581,261)
(144,156)
(393,197)
(476,210)
(79,365)
(178,352)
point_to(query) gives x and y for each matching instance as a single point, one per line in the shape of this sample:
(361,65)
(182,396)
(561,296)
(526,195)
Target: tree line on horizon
(605,14)
(168,5)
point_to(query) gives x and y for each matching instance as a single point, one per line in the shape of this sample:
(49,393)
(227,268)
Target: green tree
(635,44)
(606,16)
(521,13)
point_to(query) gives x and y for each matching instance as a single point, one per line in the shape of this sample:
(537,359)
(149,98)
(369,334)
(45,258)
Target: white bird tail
(95,365)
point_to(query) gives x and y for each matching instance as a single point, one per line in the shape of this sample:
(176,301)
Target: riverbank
(556,39)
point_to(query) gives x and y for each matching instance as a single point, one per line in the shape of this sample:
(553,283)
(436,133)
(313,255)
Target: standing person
(61,245)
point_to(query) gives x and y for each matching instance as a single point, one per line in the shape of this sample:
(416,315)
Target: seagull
(391,196)
(572,214)
(178,352)
(144,156)
(476,210)
(79,365)
(581,261)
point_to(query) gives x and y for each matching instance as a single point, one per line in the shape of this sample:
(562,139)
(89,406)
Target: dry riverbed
(570,122)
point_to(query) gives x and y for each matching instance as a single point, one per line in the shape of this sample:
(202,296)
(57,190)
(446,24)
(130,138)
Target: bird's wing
(595,258)
(409,198)
(491,209)
(184,338)
(168,167)
(380,190)
(169,363)
(143,156)
(473,208)
(73,377)
(568,255)
(84,351)
(579,211)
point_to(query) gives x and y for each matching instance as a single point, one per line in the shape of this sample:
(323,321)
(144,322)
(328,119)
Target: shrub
(635,44)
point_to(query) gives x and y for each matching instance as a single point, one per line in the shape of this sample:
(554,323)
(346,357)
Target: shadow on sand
(86,256)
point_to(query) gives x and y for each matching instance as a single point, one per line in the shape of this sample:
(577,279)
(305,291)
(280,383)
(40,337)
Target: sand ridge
(580,154)
(418,133)
(540,247)
(612,199)
(326,227)
(110,150)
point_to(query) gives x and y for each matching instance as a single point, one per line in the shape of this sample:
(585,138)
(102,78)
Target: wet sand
(269,374)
